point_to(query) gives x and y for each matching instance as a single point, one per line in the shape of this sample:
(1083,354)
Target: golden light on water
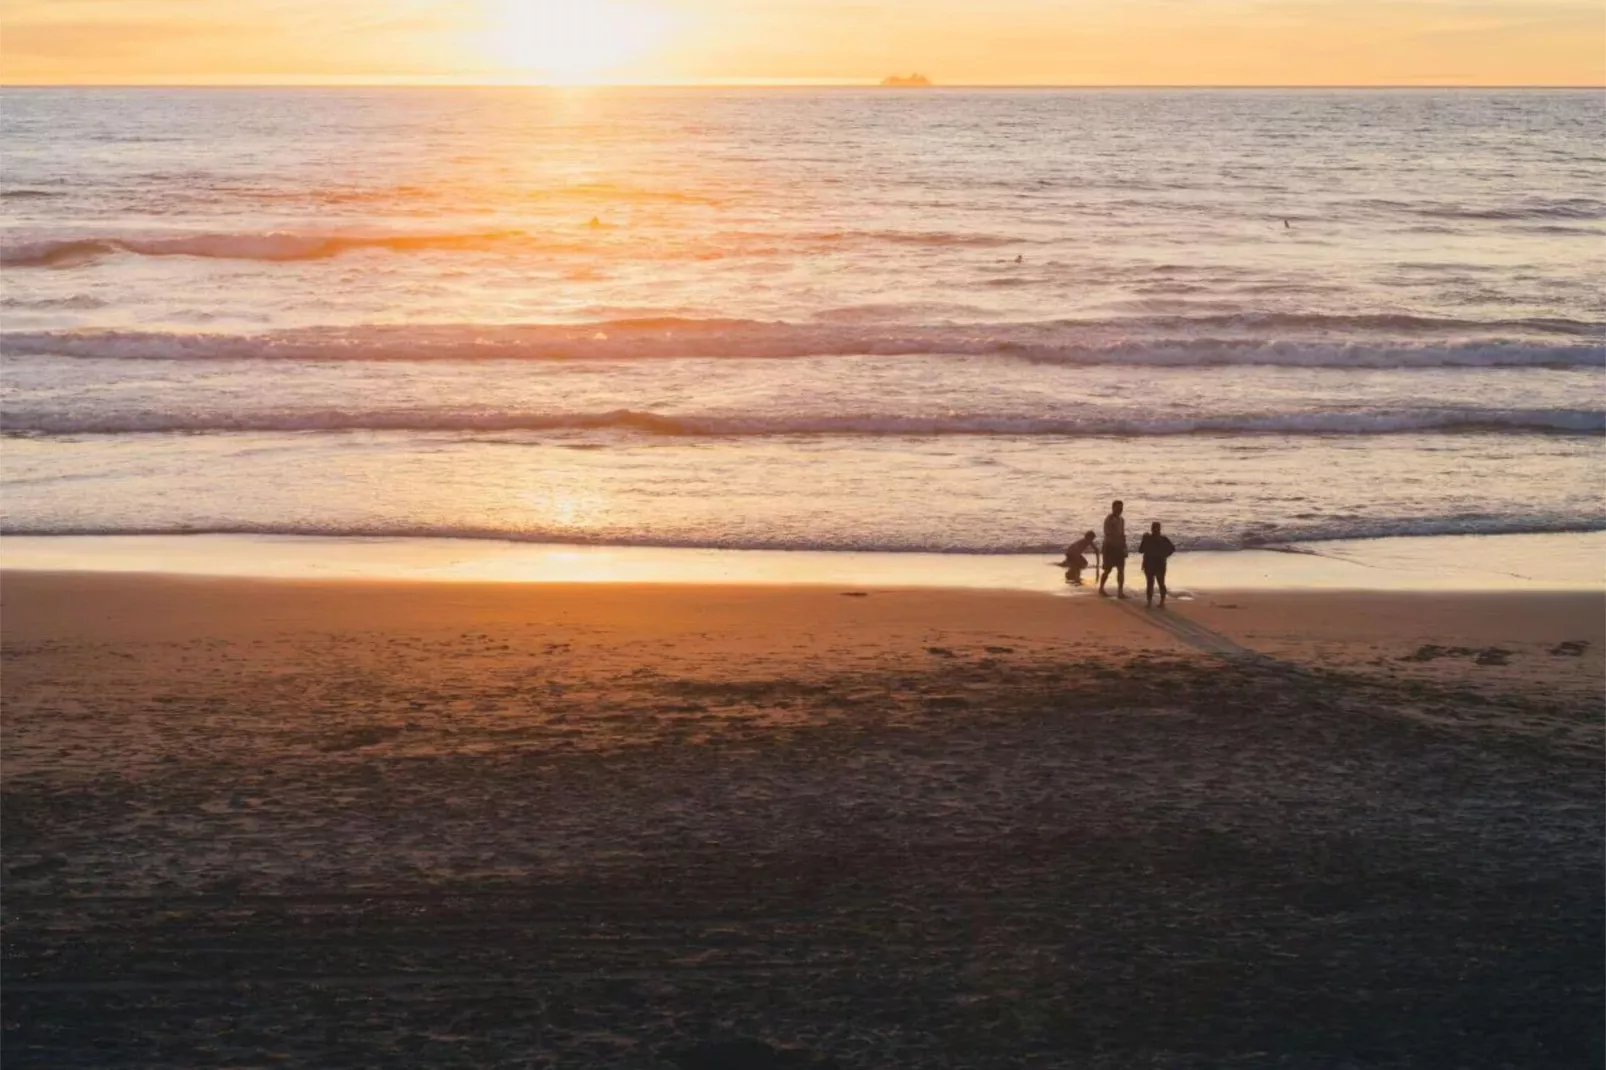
(571,42)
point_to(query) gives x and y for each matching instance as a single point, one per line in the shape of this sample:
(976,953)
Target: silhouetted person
(1114,550)
(1155,548)
(1076,557)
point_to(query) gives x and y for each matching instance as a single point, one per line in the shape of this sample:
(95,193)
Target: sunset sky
(1077,42)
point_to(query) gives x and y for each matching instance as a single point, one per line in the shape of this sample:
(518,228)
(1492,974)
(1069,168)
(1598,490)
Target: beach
(376,822)
(533,576)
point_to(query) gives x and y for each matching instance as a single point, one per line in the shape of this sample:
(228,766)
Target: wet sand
(256,823)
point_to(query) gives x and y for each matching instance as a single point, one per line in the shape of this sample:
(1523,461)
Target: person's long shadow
(1196,635)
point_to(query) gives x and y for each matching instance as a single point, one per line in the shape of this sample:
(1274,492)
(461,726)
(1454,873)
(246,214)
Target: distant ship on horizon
(911,81)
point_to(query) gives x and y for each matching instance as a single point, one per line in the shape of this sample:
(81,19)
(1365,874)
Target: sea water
(944,320)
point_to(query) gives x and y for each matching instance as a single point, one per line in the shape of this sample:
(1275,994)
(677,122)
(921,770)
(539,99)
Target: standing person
(1114,550)
(1155,548)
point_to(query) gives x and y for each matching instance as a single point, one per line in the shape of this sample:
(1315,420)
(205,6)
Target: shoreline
(1469,563)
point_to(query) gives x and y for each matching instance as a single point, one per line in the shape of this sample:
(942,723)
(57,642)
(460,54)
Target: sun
(571,41)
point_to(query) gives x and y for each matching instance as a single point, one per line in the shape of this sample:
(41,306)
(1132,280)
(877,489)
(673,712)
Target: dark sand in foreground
(312,825)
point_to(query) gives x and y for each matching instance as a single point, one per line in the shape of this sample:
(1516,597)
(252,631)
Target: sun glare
(571,41)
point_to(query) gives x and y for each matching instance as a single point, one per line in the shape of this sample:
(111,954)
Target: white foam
(1364,528)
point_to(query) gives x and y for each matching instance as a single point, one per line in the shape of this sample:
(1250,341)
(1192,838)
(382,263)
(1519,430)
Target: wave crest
(1579,208)
(286,246)
(1537,343)
(1376,422)
(1374,528)
(269,246)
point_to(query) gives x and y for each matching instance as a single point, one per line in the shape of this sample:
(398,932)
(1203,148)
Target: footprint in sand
(1572,648)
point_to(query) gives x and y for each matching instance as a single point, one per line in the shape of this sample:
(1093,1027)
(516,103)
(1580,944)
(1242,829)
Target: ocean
(811,319)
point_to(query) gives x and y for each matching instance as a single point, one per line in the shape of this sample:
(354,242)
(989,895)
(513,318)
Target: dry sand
(253,823)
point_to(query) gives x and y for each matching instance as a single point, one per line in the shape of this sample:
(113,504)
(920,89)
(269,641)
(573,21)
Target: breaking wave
(77,302)
(1582,208)
(1167,342)
(282,246)
(270,246)
(1387,322)
(1262,538)
(1377,422)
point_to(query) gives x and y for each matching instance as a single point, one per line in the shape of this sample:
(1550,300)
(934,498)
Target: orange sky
(1079,42)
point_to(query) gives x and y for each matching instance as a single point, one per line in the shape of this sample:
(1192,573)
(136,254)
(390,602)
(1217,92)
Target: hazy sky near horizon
(1083,42)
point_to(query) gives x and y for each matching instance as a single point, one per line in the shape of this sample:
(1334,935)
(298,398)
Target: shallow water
(1575,562)
(956,321)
